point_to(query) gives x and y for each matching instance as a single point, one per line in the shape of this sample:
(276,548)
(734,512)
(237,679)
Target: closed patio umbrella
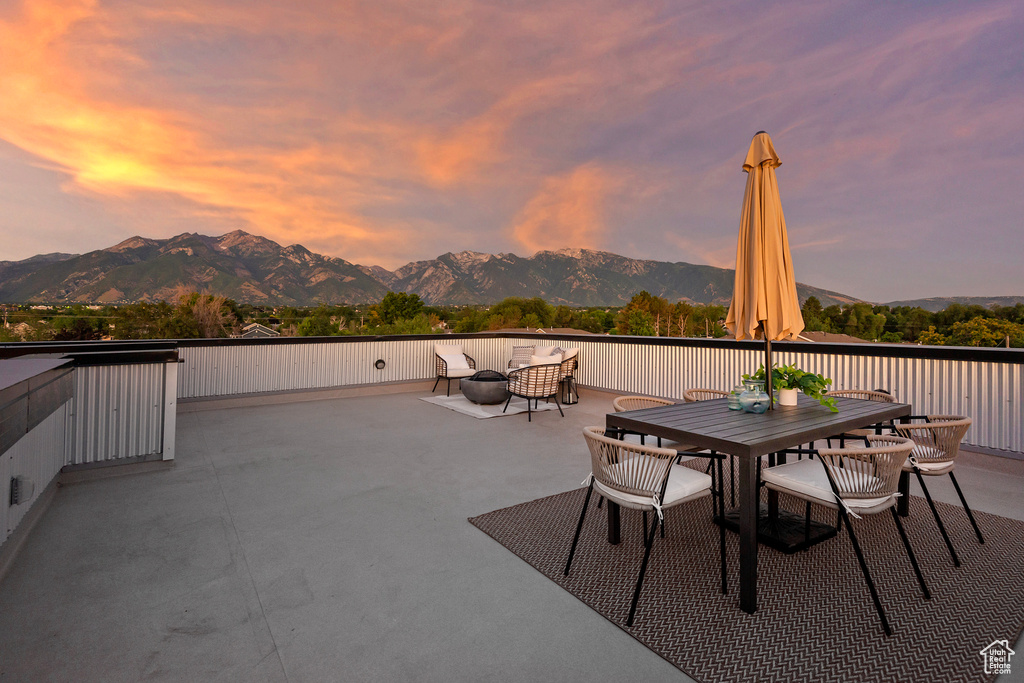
(764,300)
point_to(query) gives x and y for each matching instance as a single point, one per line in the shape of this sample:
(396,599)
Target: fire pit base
(486,390)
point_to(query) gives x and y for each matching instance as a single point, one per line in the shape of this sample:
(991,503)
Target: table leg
(903,502)
(614,535)
(748,534)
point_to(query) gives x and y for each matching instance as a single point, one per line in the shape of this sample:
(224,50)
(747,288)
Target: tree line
(199,315)
(956,325)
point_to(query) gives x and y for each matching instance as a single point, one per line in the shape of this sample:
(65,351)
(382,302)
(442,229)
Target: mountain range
(253,269)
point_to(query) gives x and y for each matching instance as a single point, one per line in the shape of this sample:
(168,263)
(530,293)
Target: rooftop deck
(327,540)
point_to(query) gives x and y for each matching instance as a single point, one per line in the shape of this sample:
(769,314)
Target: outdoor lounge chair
(640,478)
(533,383)
(854,481)
(451,363)
(936,445)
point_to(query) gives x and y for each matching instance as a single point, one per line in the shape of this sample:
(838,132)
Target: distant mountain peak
(254,269)
(133,243)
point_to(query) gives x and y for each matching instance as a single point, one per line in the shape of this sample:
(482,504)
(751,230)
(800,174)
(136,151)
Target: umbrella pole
(768,371)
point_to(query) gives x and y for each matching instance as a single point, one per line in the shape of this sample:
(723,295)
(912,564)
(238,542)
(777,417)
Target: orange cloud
(115,147)
(566,212)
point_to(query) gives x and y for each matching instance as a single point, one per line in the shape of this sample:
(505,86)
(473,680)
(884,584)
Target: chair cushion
(544,360)
(521,355)
(683,483)
(807,479)
(544,350)
(569,353)
(455,363)
(448,349)
(929,467)
(461,372)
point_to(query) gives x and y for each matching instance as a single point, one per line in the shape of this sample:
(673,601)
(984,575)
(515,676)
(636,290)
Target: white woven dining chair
(936,446)
(855,481)
(642,478)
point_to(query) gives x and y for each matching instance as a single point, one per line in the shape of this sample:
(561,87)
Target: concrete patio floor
(326,540)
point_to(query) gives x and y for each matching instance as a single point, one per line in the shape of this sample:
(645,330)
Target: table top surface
(710,424)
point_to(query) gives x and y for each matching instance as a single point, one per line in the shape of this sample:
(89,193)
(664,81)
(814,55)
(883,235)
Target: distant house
(256,330)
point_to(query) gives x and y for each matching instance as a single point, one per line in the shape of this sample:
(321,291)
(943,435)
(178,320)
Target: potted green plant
(788,379)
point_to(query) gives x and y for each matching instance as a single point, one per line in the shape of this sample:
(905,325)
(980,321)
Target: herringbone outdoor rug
(815,620)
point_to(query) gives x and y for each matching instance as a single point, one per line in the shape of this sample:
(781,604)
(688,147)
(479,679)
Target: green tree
(76,329)
(319,324)
(638,322)
(814,315)
(681,314)
(512,312)
(399,306)
(657,308)
(471,320)
(915,322)
(986,332)
(931,338)
(707,321)
(563,317)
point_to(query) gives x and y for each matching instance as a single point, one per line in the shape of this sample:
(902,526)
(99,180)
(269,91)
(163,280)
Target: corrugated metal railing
(985,384)
(117,413)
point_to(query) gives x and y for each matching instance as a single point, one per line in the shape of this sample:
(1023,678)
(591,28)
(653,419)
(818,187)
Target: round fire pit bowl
(486,387)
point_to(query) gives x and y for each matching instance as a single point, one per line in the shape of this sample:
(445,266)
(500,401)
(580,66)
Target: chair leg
(910,554)
(449,391)
(643,570)
(558,405)
(967,509)
(867,574)
(529,413)
(506,403)
(579,527)
(938,520)
(435,384)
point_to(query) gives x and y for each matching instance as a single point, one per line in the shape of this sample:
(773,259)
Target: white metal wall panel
(38,455)
(117,412)
(990,393)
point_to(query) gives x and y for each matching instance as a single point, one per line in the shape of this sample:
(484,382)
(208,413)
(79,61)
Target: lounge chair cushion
(569,353)
(448,349)
(455,362)
(536,359)
(544,350)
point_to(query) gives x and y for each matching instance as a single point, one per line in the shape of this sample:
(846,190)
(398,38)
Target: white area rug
(461,404)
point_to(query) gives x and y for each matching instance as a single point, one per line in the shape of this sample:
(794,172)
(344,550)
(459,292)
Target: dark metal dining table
(711,425)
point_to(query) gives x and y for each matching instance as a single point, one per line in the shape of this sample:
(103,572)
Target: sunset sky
(384,132)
